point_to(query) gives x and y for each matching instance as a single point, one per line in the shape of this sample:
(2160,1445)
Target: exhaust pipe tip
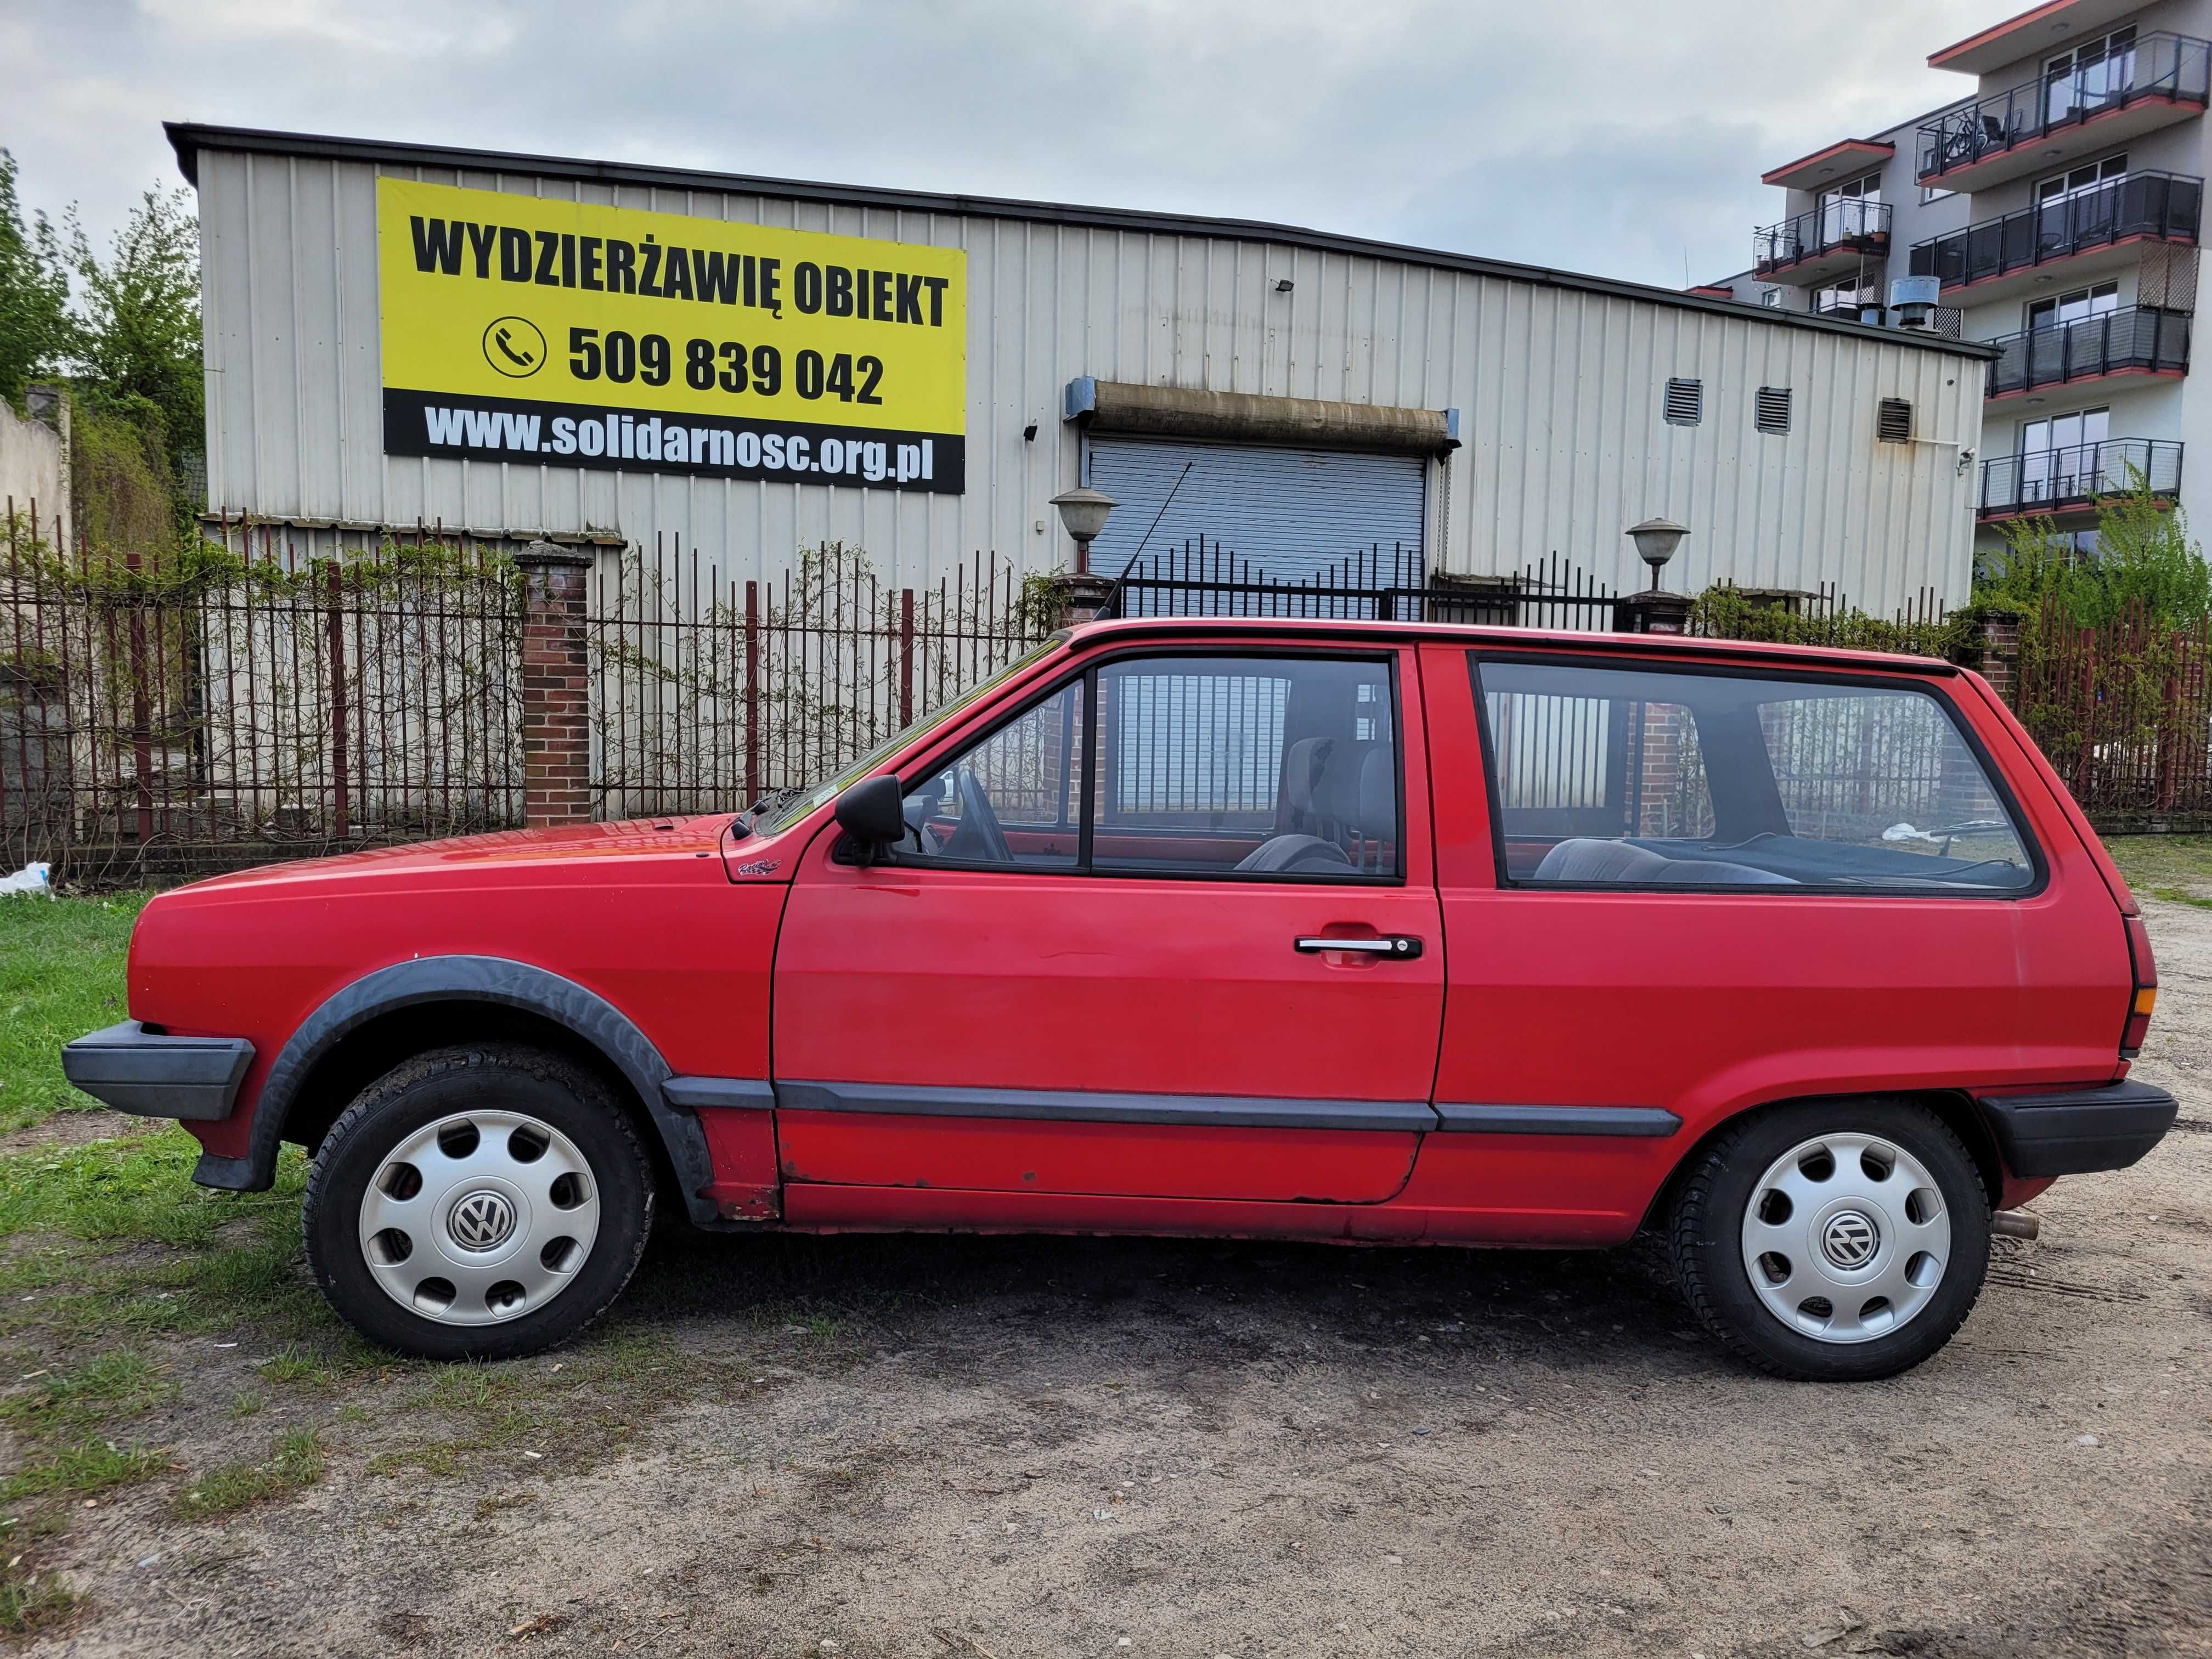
(2015,1223)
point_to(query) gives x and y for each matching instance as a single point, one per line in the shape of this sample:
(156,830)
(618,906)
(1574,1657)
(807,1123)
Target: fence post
(1999,649)
(341,802)
(557,730)
(906,657)
(142,730)
(752,692)
(1080,595)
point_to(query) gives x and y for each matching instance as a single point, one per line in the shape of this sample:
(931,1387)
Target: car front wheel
(1834,1240)
(479,1202)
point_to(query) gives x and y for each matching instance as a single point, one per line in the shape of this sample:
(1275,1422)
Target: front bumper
(156,1075)
(2074,1131)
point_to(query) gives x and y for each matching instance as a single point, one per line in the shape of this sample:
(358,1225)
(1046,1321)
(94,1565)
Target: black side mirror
(870,812)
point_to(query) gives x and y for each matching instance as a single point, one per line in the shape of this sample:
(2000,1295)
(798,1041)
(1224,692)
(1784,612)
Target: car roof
(1096,635)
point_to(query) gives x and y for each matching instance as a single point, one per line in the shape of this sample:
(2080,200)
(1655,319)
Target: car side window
(1014,799)
(1619,776)
(1242,767)
(1281,767)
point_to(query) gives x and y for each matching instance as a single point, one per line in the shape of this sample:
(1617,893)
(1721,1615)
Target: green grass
(86,1397)
(295,1463)
(61,975)
(83,1470)
(2176,868)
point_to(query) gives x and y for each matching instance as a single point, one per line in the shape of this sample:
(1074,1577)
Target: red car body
(823,1044)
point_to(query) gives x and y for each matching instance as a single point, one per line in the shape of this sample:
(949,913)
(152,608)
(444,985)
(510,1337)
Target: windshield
(798,808)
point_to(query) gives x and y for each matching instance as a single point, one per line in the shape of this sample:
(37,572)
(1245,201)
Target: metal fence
(707,692)
(198,708)
(1203,578)
(2077,475)
(2166,206)
(2122,710)
(2175,69)
(2135,339)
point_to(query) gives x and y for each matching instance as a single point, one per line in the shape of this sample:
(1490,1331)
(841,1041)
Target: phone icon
(514,347)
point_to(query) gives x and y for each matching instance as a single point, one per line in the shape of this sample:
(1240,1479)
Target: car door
(1676,887)
(1167,929)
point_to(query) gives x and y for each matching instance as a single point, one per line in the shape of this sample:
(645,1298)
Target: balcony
(2038,127)
(1820,246)
(2086,232)
(2057,480)
(2139,340)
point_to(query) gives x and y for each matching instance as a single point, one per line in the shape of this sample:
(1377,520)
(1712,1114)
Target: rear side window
(1627,777)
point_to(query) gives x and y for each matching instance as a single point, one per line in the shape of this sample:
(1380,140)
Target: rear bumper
(155,1075)
(2074,1131)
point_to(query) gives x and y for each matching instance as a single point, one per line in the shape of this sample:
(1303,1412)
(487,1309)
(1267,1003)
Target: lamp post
(1654,611)
(1083,514)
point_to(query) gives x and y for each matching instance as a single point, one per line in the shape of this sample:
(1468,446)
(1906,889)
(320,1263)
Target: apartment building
(2058,206)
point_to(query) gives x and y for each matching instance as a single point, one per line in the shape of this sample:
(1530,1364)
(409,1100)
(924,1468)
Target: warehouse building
(522,347)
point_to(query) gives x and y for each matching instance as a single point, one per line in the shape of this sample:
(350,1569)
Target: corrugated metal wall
(1291,513)
(1559,392)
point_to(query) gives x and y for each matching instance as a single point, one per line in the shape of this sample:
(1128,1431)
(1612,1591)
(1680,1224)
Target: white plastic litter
(31,878)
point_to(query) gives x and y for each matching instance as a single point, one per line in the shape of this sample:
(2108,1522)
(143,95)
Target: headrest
(1302,763)
(1379,795)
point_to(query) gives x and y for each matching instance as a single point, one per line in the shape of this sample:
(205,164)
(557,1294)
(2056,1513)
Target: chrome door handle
(1402,947)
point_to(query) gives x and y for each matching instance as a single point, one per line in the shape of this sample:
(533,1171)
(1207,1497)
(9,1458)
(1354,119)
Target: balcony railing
(2141,338)
(2166,205)
(2174,67)
(2050,480)
(1849,221)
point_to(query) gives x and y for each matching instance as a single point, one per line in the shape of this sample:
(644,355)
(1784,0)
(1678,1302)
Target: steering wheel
(976,816)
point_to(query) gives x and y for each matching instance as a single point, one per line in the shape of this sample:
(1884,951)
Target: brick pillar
(1999,651)
(1652,611)
(1081,594)
(556,730)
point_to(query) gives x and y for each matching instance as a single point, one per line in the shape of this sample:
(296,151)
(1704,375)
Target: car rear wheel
(479,1202)
(1832,1241)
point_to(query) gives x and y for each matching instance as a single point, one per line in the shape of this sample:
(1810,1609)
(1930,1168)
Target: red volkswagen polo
(1372,933)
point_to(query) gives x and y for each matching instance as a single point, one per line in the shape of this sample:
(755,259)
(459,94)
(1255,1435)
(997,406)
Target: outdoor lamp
(1656,541)
(1082,512)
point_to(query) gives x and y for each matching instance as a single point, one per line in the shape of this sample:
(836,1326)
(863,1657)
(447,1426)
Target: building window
(2075,181)
(1771,298)
(1773,408)
(1850,209)
(2062,456)
(1685,402)
(2079,307)
(1846,298)
(2080,82)
(1893,422)
(1934,193)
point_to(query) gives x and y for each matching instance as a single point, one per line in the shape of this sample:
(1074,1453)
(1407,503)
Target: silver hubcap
(1847,1238)
(479,1217)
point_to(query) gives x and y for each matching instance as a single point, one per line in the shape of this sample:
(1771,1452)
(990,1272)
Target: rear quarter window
(1617,775)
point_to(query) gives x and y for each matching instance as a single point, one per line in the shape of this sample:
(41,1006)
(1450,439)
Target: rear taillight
(2144,997)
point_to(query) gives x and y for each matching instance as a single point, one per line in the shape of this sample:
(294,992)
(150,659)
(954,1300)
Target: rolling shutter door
(1291,513)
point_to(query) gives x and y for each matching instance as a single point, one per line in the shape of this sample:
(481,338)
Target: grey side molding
(1651,1122)
(1084,1106)
(471,979)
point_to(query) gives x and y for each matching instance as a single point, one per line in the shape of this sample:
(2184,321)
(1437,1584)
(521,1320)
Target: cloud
(1607,137)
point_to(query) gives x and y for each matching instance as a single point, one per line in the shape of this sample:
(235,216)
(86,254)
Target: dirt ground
(1003,1448)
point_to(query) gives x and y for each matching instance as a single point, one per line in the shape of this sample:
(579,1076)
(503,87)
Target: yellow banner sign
(566,334)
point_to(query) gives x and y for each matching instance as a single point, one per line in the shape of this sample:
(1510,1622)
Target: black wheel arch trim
(495,979)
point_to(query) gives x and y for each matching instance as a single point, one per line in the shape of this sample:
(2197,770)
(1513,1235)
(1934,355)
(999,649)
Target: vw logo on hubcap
(482,1221)
(1849,1239)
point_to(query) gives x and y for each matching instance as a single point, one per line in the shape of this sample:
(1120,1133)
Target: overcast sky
(1619,136)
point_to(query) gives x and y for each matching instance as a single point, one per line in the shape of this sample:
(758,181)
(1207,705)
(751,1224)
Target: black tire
(1704,1235)
(449,1081)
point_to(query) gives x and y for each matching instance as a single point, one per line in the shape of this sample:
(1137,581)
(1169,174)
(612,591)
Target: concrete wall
(34,458)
